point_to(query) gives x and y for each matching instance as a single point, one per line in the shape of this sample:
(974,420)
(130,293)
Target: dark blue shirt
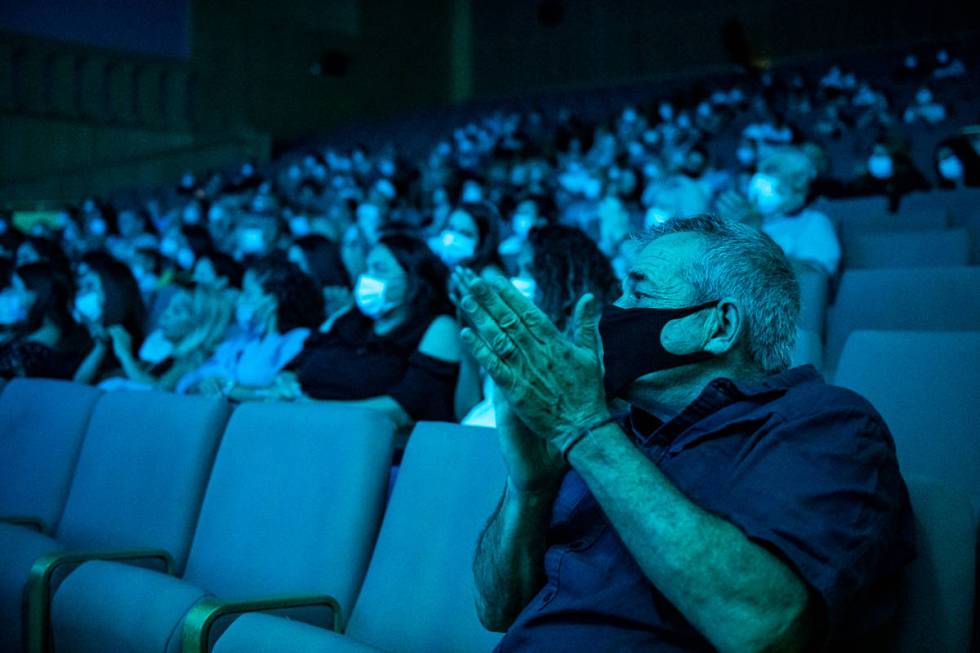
(805,469)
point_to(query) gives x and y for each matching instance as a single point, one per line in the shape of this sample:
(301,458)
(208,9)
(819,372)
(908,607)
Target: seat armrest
(26,520)
(39,586)
(202,617)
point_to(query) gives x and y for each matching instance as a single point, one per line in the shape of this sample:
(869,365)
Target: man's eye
(639,295)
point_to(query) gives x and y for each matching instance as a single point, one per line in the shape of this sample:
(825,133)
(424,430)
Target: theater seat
(910,249)
(808,350)
(925,386)
(138,484)
(291,509)
(938,594)
(813,299)
(418,593)
(42,423)
(923,299)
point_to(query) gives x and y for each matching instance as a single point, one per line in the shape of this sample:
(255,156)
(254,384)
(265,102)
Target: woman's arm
(93,361)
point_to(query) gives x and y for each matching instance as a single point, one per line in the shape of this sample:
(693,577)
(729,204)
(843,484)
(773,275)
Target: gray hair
(741,262)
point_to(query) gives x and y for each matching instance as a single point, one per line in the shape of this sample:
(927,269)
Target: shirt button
(548,596)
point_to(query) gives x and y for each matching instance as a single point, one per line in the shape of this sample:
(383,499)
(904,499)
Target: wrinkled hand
(735,206)
(533,464)
(122,342)
(552,383)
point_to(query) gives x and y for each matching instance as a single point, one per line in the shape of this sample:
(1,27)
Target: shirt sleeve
(426,391)
(824,494)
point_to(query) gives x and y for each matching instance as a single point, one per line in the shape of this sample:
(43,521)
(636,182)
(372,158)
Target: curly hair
(566,264)
(299,302)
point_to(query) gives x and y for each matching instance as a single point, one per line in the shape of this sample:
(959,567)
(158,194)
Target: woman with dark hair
(277,310)
(46,342)
(108,295)
(557,265)
(215,268)
(398,351)
(957,163)
(471,238)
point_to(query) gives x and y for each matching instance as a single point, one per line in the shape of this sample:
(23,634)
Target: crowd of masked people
(325,275)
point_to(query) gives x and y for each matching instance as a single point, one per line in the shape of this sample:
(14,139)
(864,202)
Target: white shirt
(808,236)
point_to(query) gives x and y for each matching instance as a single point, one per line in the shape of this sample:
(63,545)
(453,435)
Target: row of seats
(291,504)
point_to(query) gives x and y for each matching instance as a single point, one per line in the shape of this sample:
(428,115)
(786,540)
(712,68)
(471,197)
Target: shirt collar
(716,395)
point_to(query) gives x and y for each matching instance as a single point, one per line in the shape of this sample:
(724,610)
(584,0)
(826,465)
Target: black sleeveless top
(351,362)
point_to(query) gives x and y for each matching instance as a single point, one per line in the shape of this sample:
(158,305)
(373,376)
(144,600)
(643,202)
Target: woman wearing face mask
(398,350)
(889,172)
(46,340)
(189,330)
(107,295)
(557,265)
(471,238)
(957,163)
(277,310)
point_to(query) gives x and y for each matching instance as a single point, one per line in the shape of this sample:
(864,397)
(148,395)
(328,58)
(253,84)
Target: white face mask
(951,168)
(746,155)
(97,227)
(525,285)
(299,226)
(169,247)
(89,306)
(522,223)
(765,193)
(12,309)
(192,215)
(251,240)
(155,348)
(454,248)
(185,258)
(654,216)
(881,166)
(370,295)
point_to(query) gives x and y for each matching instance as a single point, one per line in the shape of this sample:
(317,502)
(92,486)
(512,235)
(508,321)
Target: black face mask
(631,345)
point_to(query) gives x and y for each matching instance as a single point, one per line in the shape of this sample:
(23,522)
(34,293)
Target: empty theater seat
(42,423)
(418,592)
(909,249)
(138,484)
(923,299)
(925,386)
(939,585)
(291,509)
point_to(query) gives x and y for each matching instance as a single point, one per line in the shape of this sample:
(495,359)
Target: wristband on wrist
(581,434)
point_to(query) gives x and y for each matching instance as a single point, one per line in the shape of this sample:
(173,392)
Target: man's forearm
(508,567)
(737,594)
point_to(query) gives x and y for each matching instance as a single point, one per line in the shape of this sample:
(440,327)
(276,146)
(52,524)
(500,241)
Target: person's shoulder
(441,339)
(831,413)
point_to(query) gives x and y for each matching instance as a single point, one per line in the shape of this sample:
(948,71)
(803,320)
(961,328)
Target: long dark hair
(566,264)
(123,302)
(427,293)
(487,220)
(298,300)
(53,298)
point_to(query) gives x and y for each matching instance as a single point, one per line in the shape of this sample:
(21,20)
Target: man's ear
(723,327)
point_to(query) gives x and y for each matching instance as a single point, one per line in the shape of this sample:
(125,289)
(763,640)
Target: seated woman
(108,295)
(557,265)
(471,238)
(190,328)
(46,340)
(398,351)
(277,310)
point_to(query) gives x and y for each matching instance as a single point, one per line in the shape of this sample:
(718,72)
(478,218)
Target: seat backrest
(924,299)
(940,584)
(909,249)
(418,593)
(814,287)
(42,423)
(808,350)
(142,471)
(925,386)
(294,502)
